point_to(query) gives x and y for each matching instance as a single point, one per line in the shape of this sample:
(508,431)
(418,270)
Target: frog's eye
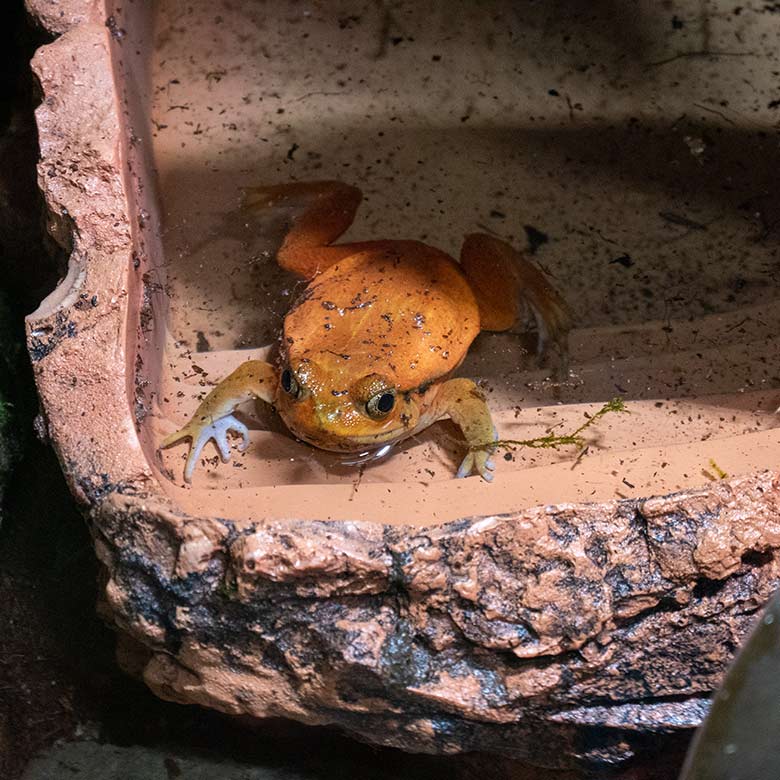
(381,404)
(290,383)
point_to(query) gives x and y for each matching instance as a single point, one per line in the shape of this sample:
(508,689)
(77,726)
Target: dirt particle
(536,238)
(202,344)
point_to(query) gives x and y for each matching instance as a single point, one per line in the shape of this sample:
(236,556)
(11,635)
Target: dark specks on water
(419,320)
(625,260)
(535,238)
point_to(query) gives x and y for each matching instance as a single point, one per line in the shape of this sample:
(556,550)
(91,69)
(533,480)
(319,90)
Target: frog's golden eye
(381,404)
(290,384)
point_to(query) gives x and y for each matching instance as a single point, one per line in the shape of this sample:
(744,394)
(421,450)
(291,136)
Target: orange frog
(370,346)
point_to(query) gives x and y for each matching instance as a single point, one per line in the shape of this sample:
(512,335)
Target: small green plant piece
(719,472)
(553,441)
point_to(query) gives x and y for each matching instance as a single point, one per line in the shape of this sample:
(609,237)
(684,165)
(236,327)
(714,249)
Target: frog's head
(332,411)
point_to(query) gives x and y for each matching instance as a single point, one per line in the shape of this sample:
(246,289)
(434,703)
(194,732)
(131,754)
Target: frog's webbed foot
(478,460)
(505,284)
(200,432)
(552,324)
(214,416)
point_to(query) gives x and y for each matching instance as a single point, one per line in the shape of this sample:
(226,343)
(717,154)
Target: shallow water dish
(557,614)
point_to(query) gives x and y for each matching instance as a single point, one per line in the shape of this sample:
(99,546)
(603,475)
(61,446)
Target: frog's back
(405,311)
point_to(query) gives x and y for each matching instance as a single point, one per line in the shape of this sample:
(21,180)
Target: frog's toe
(218,431)
(466,466)
(552,327)
(201,434)
(477,462)
(485,467)
(175,437)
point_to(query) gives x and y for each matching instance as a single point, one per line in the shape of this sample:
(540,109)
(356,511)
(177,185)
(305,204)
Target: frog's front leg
(464,404)
(214,417)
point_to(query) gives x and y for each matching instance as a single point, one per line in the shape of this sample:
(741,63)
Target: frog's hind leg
(329,208)
(507,286)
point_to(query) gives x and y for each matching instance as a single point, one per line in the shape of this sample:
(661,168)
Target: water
(645,177)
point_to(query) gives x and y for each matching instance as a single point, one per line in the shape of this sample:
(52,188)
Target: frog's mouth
(369,456)
(359,447)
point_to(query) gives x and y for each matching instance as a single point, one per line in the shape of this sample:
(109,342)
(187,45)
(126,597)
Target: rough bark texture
(582,627)
(560,634)
(58,17)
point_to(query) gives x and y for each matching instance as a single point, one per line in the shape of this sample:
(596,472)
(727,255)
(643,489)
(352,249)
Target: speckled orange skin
(400,315)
